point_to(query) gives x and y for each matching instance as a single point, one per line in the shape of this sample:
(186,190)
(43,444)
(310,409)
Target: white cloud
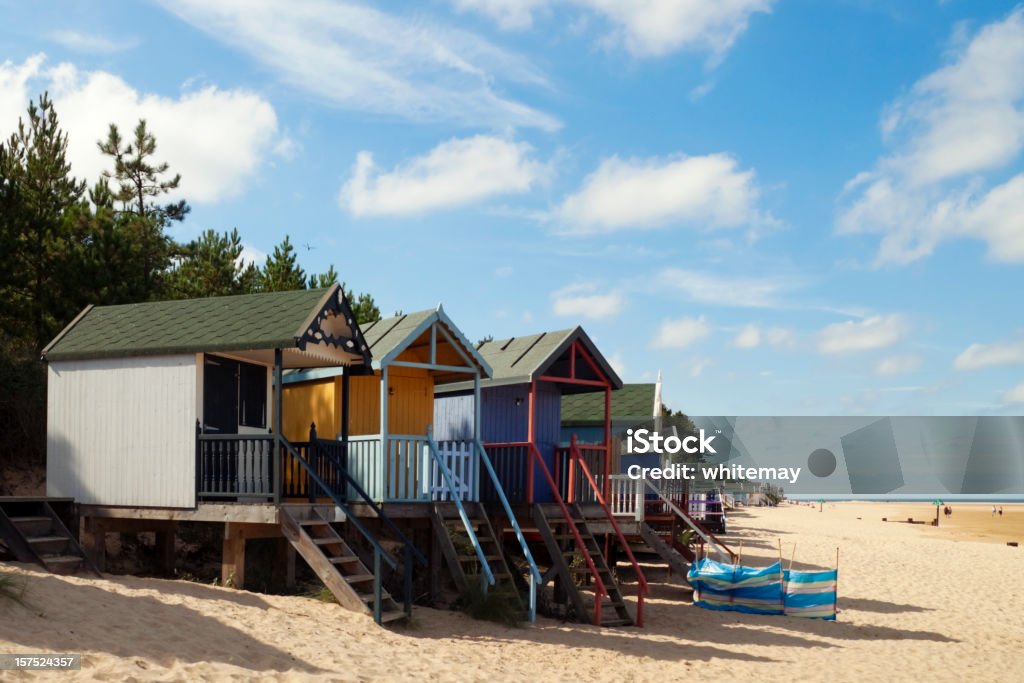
(216,139)
(698,366)
(748,338)
(876,332)
(780,337)
(618,364)
(510,14)
(752,336)
(91,42)
(743,292)
(1014,395)
(646,28)
(364,59)
(898,365)
(977,356)
(584,300)
(703,191)
(455,173)
(251,254)
(678,334)
(503,271)
(954,126)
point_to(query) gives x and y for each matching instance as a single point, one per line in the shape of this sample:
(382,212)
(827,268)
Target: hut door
(220,396)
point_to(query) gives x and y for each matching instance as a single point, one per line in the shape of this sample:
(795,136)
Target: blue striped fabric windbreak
(763,590)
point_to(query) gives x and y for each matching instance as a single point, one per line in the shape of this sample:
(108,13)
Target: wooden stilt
(165,550)
(232,569)
(94,541)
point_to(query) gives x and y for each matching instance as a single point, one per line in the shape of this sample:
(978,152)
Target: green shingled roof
(384,335)
(631,401)
(519,360)
(225,323)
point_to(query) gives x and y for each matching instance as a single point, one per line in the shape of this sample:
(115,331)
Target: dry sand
(916,603)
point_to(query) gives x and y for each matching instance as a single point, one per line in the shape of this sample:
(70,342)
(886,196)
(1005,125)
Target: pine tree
(211,265)
(36,191)
(281,272)
(140,181)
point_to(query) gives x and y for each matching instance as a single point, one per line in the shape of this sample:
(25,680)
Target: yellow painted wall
(410,407)
(308,402)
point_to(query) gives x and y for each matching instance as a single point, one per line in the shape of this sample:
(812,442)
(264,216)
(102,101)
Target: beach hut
(167,412)
(561,487)
(393,456)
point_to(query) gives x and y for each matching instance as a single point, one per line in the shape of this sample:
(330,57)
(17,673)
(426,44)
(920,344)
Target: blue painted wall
(502,420)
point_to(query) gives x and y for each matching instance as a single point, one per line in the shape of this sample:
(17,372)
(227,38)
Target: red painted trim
(599,587)
(570,380)
(642,587)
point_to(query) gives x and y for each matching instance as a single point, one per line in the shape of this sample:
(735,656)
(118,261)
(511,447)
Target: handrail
(235,437)
(535,577)
(378,510)
(642,587)
(599,588)
(488,574)
(707,536)
(315,478)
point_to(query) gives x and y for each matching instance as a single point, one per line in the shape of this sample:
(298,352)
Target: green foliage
(211,265)
(495,604)
(281,272)
(363,306)
(140,179)
(322,594)
(12,589)
(62,248)
(687,538)
(36,191)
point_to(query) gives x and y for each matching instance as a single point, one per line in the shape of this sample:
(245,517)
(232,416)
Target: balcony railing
(400,468)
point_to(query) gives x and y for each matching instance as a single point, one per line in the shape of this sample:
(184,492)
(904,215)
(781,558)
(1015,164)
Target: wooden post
(165,549)
(570,474)
(313,457)
(607,440)
(232,568)
(94,541)
(530,434)
(476,435)
(345,382)
(276,460)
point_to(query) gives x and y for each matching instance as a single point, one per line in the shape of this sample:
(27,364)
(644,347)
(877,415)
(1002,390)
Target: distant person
(1000,510)
(993,510)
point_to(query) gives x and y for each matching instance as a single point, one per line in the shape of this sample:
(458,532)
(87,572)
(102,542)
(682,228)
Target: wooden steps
(672,557)
(336,564)
(563,548)
(33,532)
(458,550)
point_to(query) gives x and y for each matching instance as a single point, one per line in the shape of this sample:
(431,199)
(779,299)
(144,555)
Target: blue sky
(789,207)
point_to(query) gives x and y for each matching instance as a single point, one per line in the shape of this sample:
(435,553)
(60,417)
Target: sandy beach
(915,602)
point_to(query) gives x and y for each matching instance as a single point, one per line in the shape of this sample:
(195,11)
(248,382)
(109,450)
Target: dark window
(252,395)
(235,395)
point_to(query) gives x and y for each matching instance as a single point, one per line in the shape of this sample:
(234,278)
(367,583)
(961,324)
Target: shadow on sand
(102,620)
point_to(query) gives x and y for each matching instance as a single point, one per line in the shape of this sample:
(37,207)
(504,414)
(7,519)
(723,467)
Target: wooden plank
(444,539)
(672,558)
(322,566)
(558,561)
(251,513)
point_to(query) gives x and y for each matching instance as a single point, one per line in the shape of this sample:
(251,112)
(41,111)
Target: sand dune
(916,602)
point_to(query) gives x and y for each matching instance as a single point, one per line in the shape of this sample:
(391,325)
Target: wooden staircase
(562,538)
(458,550)
(33,532)
(666,550)
(335,563)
